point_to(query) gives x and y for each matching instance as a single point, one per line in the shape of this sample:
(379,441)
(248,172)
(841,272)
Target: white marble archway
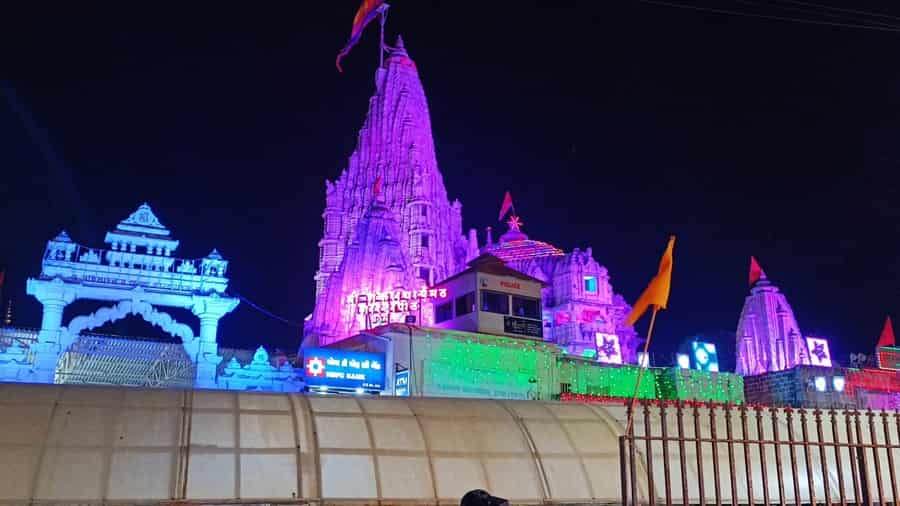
(121,310)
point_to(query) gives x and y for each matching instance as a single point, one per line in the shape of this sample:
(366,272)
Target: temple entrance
(136,276)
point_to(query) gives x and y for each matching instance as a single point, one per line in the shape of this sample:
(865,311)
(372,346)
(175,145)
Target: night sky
(613,124)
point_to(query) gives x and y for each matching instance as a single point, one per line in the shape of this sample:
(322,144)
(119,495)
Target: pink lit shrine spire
(394,164)
(768,336)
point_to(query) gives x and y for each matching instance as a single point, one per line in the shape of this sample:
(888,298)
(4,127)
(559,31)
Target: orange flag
(657,292)
(366,13)
(887,335)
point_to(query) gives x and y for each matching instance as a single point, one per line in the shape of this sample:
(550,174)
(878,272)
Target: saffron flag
(657,292)
(887,335)
(366,13)
(376,189)
(507,205)
(756,271)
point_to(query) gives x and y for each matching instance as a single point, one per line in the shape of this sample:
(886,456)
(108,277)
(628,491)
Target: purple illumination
(389,227)
(608,349)
(768,337)
(819,352)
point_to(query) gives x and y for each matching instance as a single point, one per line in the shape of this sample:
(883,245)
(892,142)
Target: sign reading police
(343,369)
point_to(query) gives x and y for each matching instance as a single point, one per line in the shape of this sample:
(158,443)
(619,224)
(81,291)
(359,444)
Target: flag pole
(383,18)
(637,385)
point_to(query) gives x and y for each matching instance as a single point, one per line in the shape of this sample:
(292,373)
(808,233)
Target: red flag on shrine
(507,205)
(376,189)
(887,335)
(756,271)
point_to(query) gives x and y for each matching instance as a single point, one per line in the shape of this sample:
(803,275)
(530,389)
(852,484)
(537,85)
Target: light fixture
(705,356)
(323,388)
(684,360)
(839,383)
(360,390)
(643,359)
(820,383)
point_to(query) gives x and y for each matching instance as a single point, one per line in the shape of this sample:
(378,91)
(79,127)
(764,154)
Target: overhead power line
(769,16)
(802,8)
(839,9)
(265,311)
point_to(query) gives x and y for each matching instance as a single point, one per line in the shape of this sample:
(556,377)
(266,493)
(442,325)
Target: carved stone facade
(408,235)
(578,302)
(768,337)
(424,241)
(136,274)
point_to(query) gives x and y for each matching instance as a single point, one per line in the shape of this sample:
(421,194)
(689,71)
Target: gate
(699,453)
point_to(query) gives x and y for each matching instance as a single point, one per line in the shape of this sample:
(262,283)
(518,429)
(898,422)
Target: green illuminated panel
(689,384)
(595,379)
(487,366)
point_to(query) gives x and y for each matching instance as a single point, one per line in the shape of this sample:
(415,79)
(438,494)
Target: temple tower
(394,148)
(768,337)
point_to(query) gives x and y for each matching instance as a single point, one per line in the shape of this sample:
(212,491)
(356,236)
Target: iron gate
(697,453)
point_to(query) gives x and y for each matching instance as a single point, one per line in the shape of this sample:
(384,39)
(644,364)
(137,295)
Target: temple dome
(515,245)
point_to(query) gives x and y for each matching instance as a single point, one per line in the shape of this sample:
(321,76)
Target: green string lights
(462,364)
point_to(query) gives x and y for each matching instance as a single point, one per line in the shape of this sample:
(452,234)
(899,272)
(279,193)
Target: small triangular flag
(756,272)
(887,335)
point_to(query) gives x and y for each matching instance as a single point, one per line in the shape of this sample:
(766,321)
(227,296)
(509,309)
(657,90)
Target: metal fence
(695,453)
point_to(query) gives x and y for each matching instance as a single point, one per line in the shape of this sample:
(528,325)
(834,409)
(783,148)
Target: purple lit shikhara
(768,337)
(409,235)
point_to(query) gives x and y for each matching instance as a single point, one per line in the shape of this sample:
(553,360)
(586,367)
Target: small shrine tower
(768,337)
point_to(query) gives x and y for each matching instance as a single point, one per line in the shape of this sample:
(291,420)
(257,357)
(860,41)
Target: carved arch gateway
(125,308)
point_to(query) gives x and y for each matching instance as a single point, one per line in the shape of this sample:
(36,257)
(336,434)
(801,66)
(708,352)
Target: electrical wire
(768,16)
(807,10)
(839,9)
(265,311)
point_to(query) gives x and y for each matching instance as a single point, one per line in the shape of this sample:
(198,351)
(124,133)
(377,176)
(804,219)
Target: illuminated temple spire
(394,147)
(768,337)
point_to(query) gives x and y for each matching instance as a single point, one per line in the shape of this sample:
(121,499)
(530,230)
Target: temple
(390,231)
(412,235)
(768,337)
(581,313)
(136,276)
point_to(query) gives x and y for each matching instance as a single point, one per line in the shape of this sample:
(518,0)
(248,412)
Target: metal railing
(698,453)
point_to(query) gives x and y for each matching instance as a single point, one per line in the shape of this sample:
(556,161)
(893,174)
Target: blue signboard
(343,369)
(401,383)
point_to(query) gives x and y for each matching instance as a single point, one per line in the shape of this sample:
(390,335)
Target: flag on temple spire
(366,13)
(376,188)
(756,271)
(887,335)
(507,205)
(657,292)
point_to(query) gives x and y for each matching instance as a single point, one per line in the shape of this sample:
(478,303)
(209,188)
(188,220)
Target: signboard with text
(523,326)
(343,369)
(401,383)
(379,308)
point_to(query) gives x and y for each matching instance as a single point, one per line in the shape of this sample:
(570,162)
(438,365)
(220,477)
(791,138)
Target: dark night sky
(612,123)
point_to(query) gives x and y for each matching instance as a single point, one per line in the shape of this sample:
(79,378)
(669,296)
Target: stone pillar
(206,352)
(55,295)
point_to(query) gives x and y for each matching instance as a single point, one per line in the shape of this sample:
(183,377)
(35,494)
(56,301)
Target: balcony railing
(119,267)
